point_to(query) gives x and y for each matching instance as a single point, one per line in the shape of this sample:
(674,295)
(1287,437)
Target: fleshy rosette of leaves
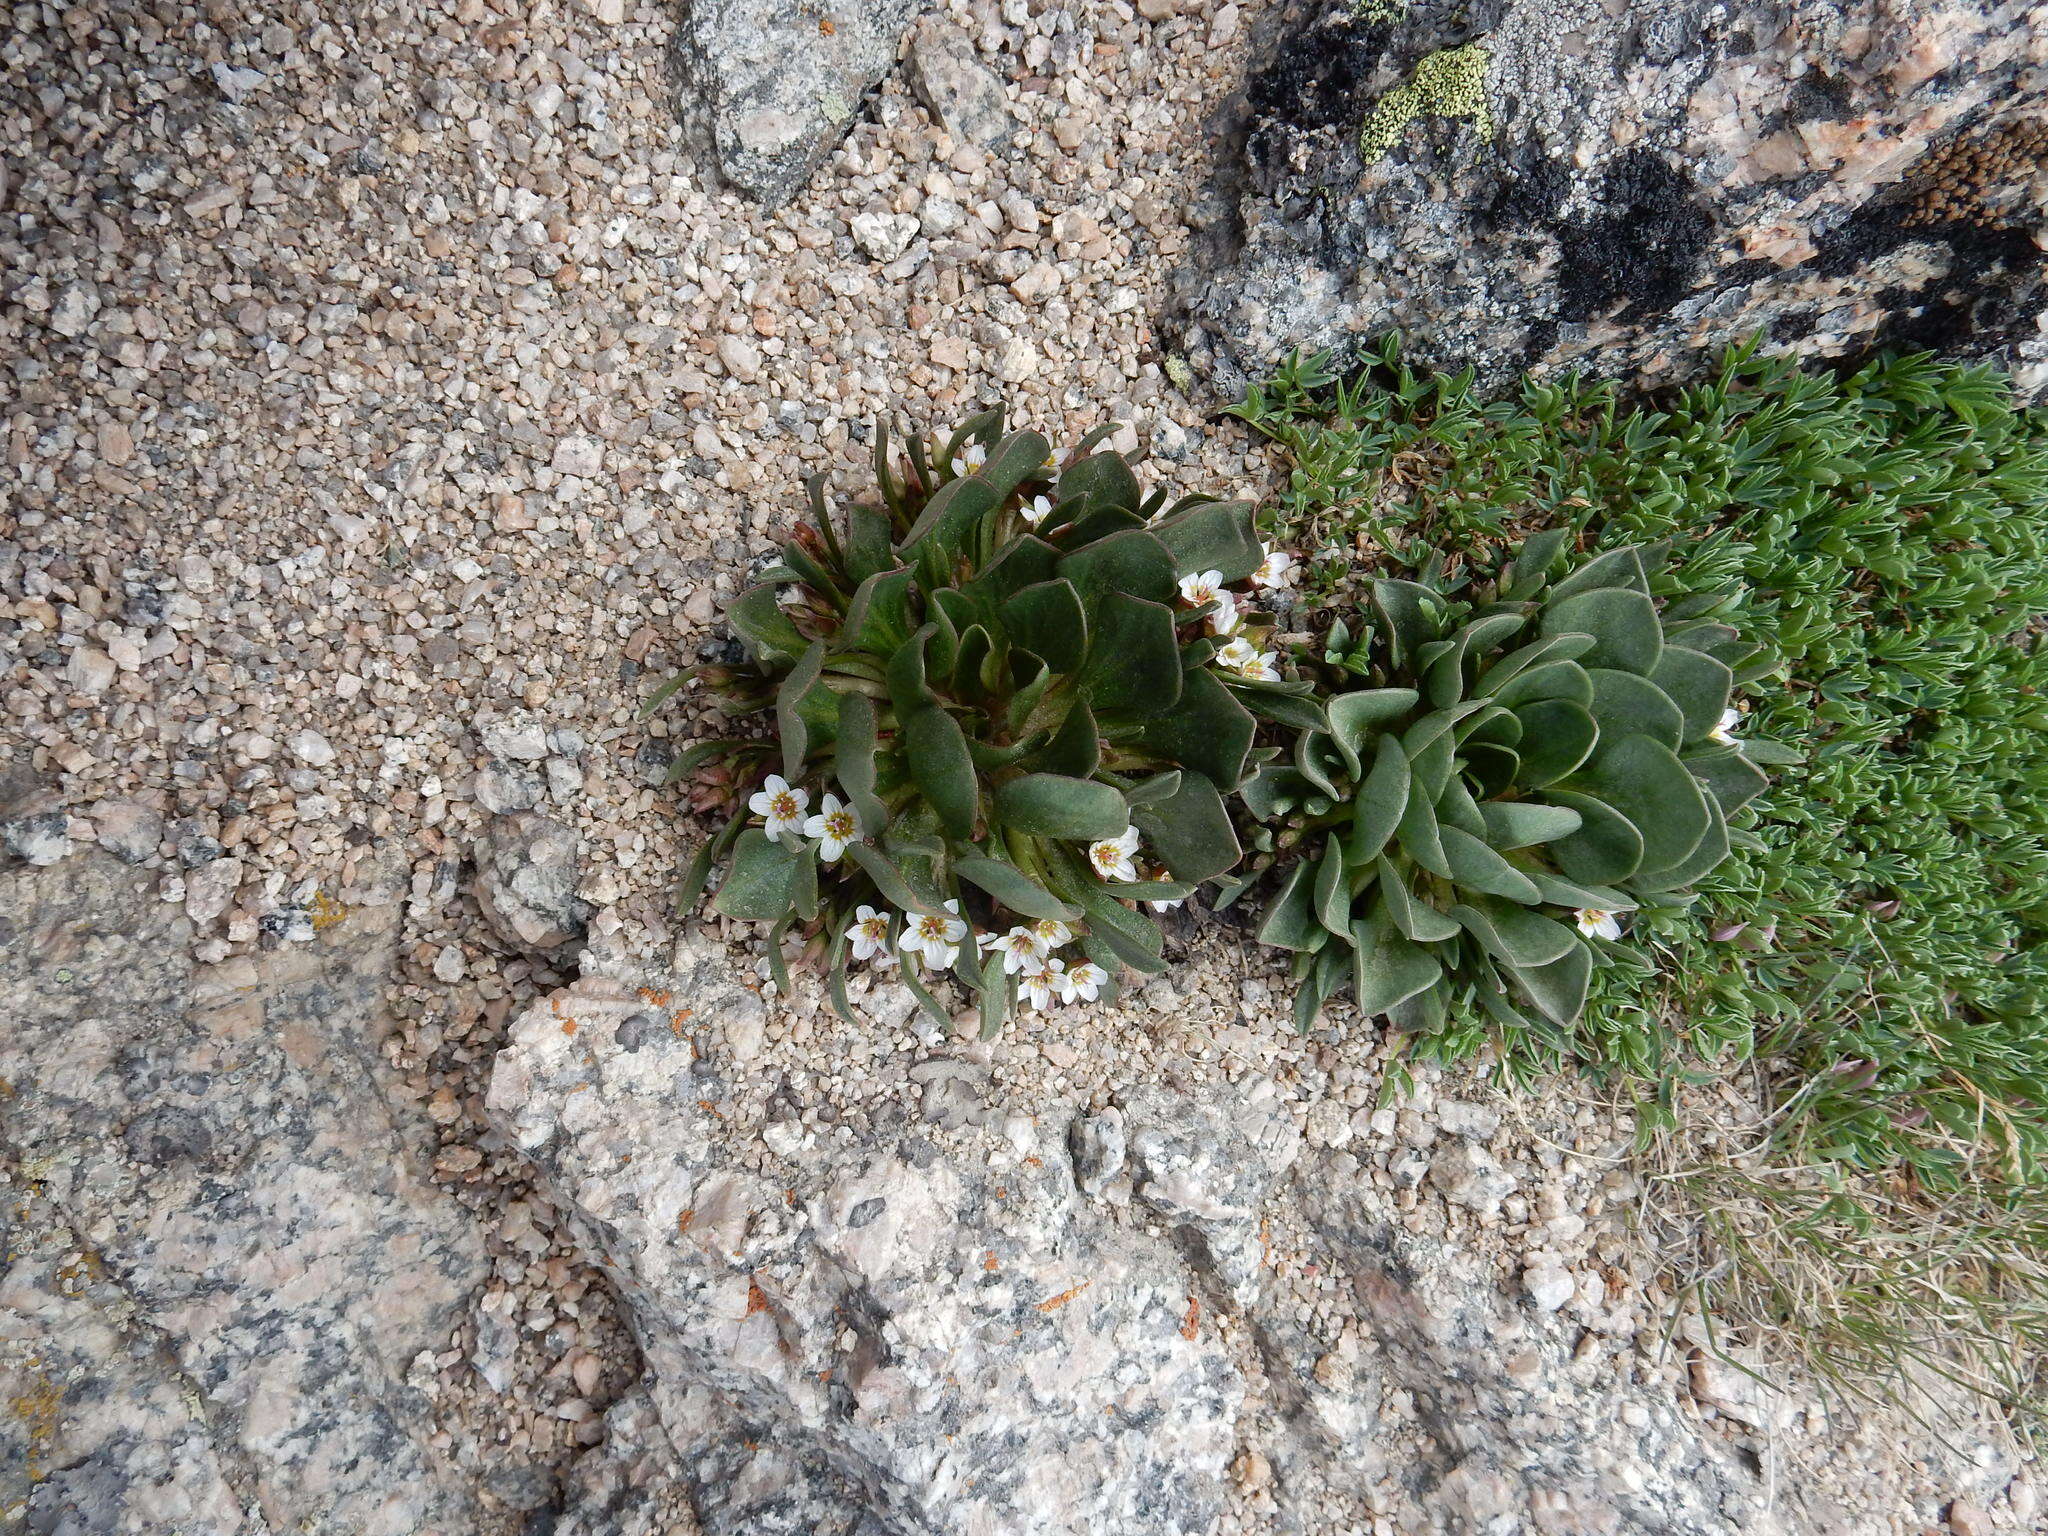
(987,664)
(1517,771)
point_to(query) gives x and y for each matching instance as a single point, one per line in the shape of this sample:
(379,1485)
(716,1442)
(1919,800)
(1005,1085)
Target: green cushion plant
(991,697)
(1510,775)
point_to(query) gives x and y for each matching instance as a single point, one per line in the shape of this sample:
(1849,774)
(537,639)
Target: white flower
(1037,510)
(870,934)
(1112,856)
(1596,924)
(1247,660)
(969,459)
(781,807)
(1224,619)
(1052,933)
(1166,906)
(1724,731)
(1275,571)
(834,827)
(1035,990)
(1083,983)
(1021,951)
(935,940)
(791,596)
(1202,587)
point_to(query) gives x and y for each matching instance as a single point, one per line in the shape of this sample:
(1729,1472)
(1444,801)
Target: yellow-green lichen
(1450,83)
(1378,10)
(1178,373)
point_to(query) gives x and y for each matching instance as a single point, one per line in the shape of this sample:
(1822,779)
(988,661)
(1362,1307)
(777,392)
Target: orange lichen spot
(990,1261)
(676,1018)
(709,1108)
(659,999)
(757,1299)
(325,912)
(1034,1162)
(568,1026)
(1002,1193)
(684,1217)
(826,27)
(1191,1324)
(1064,1297)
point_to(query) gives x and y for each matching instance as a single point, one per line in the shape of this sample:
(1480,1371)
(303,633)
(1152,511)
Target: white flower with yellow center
(834,827)
(780,806)
(1036,510)
(1019,949)
(1112,858)
(1035,990)
(1724,729)
(935,939)
(1225,619)
(1202,587)
(1275,571)
(969,459)
(1247,660)
(1083,983)
(1597,924)
(869,934)
(1051,934)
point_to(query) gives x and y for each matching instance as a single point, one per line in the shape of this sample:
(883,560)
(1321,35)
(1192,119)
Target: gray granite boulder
(931,1337)
(1625,188)
(774,85)
(218,1266)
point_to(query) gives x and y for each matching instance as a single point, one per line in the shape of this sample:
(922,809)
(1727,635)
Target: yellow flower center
(839,826)
(784,806)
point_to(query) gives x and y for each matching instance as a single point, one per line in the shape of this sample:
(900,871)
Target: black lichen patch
(1532,189)
(1645,246)
(1819,97)
(1317,77)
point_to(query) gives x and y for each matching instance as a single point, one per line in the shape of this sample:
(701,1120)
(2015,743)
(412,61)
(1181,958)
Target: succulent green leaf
(1382,801)
(1418,832)
(1557,736)
(1645,781)
(1325,977)
(1023,562)
(942,767)
(1558,990)
(1447,675)
(1477,867)
(790,724)
(1698,684)
(1627,705)
(1270,699)
(854,760)
(1291,921)
(1333,892)
(1695,866)
(1209,733)
(761,882)
(1048,620)
(698,870)
(1549,649)
(1053,805)
(1276,789)
(1410,616)
(1029,680)
(1150,791)
(1315,759)
(1491,769)
(1013,461)
(1622,622)
(909,690)
(1525,574)
(1189,830)
(1416,918)
(1455,807)
(1616,568)
(948,522)
(892,879)
(1132,562)
(1731,778)
(974,665)
(763,626)
(1494,727)
(1354,716)
(1013,888)
(879,619)
(1133,664)
(1513,934)
(1075,750)
(1525,823)
(995,995)
(1216,536)
(1387,967)
(1607,848)
(1101,480)
(1550,680)
(868,543)
(1564,893)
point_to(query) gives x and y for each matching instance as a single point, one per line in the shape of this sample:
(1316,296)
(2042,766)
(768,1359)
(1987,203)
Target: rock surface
(217,1273)
(941,1342)
(1571,183)
(778,84)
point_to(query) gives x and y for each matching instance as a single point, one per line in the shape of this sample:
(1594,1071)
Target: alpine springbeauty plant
(1522,769)
(1010,695)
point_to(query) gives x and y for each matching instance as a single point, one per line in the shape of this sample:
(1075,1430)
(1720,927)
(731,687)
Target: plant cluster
(1875,948)
(1521,769)
(1009,697)
(1016,701)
